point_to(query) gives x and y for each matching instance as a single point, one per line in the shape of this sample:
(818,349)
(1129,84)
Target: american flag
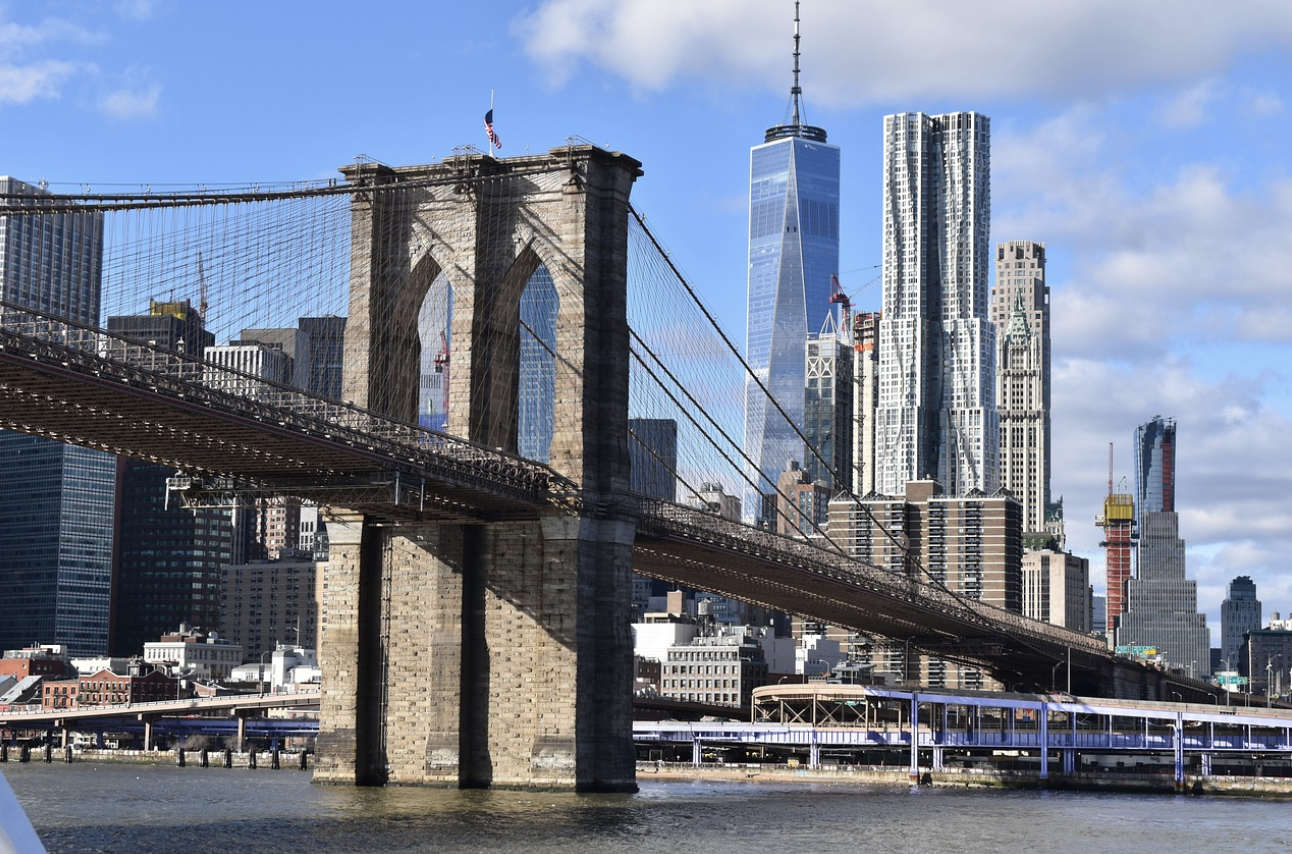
(493,137)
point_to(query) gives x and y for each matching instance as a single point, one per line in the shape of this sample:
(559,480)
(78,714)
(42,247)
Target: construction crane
(838,297)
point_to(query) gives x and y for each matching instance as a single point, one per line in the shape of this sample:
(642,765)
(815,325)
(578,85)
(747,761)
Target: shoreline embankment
(859,775)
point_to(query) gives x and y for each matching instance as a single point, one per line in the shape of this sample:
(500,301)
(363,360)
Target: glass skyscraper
(1161,603)
(937,416)
(1155,466)
(793,252)
(57,505)
(536,397)
(166,557)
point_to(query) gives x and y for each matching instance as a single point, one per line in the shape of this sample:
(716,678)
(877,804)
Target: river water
(142,809)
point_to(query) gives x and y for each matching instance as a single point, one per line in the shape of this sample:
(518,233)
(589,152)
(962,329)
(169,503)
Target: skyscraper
(166,558)
(793,251)
(865,336)
(937,409)
(327,354)
(652,456)
(1240,613)
(1161,603)
(1155,466)
(57,503)
(827,409)
(539,304)
(1020,312)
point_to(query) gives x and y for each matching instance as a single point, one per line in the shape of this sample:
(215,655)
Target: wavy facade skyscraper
(936,417)
(793,252)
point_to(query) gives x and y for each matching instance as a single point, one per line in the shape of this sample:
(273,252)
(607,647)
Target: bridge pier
(498,652)
(503,658)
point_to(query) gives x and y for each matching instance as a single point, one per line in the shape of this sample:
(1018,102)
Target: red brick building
(106,688)
(60,694)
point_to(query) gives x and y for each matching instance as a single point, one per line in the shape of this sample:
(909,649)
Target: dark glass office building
(57,503)
(166,558)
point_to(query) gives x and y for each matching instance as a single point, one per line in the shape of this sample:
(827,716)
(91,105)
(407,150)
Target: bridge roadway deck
(85,386)
(697,549)
(247,433)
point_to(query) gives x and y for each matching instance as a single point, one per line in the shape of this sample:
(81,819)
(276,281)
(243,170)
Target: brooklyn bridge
(476,616)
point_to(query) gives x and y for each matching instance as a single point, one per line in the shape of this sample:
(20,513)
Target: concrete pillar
(241,742)
(148,731)
(1177,739)
(915,739)
(1043,719)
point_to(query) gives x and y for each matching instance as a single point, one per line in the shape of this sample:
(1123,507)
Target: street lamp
(1054,676)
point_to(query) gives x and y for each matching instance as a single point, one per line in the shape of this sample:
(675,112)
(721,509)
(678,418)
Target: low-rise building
(37,660)
(194,653)
(719,671)
(60,694)
(288,668)
(106,688)
(1265,658)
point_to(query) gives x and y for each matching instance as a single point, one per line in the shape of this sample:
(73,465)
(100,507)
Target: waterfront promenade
(841,732)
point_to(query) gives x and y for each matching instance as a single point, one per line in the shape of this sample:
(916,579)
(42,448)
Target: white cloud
(131,103)
(140,10)
(870,52)
(23,84)
(1188,108)
(24,80)
(1263,103)
(1169,297)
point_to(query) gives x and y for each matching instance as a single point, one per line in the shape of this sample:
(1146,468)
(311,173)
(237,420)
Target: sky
(1146,144)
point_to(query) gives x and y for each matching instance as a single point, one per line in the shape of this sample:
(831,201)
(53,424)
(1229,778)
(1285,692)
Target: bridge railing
(665,518)
(92,351)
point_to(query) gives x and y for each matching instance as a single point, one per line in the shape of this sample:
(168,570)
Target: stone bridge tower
(493,652)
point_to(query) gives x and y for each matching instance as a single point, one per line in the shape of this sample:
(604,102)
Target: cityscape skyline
(1149,175)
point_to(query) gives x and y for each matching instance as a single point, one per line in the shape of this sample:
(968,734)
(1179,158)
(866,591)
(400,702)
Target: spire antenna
(798,115)
(796,91)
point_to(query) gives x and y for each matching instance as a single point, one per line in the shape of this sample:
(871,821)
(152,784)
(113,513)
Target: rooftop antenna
(796,126)
(796,91)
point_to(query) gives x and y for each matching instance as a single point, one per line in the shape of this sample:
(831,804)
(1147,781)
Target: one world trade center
(793,252)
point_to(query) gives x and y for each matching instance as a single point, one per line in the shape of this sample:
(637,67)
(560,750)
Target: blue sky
(1145,143)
